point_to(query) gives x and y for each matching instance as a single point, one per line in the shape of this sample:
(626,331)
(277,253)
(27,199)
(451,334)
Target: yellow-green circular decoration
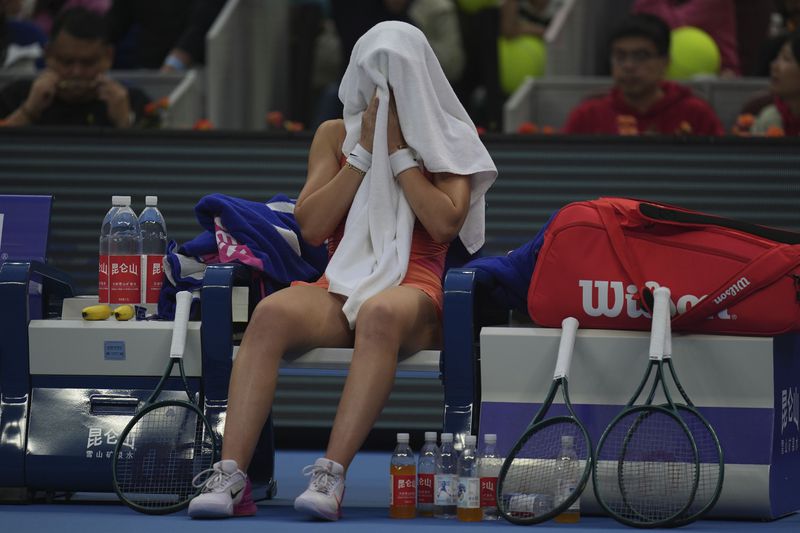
(473,6)
(692,52)
(519,58)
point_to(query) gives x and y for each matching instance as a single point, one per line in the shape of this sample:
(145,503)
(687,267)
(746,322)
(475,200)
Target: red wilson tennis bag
(601,259)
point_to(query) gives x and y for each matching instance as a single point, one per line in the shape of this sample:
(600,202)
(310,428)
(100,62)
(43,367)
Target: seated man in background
(167,34)
(74,89)
(641,101)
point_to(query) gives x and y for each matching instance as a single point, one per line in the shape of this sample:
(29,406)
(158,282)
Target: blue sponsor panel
(785,472)
(74,427)
(24,235)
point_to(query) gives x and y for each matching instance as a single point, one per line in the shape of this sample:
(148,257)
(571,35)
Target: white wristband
(360,158)
(401,161)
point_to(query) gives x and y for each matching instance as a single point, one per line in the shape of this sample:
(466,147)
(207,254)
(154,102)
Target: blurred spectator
(46,11)
(526,17)
(169,34)
(21,42)
(782,116)
(352,19)
(752,30)
(480,89)
(715,17)
(305,26)
(74,89)
(789,11)
(438,20)
(521,48)
(641,102)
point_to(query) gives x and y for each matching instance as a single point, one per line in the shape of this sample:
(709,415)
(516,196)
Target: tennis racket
(709,449)
(167,442)
(530,486)
(646,469)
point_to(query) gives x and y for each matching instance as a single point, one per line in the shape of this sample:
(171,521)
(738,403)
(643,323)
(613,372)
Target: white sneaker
(323,497)
(225,492)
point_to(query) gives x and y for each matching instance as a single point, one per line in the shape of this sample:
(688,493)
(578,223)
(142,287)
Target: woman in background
(782,116)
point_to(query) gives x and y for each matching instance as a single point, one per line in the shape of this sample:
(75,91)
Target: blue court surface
(365,509)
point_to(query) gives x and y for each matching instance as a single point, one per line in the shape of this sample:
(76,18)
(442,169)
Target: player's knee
(270,314)
(378,319)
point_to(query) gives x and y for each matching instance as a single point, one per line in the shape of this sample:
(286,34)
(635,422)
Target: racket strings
(710,463)
(646,470)
(167,447)
(531,482)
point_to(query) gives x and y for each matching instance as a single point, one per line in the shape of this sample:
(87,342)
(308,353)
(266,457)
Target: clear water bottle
(445,482)
(154,245)
(469,484)
(403,474)
(567,474)
(426,472)
(105,230)
(125,250)
(489,464)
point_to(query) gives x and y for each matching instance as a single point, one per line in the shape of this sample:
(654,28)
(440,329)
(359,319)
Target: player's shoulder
(332,128)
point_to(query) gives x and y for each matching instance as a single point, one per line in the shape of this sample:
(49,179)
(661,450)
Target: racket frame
(690,408)
(669,409)
(560,381)
(180,324)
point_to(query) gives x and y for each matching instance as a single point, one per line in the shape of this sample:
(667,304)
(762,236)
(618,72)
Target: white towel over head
(374,251)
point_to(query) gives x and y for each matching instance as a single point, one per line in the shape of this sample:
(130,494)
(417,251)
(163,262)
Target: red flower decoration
(203,124)
(275,119)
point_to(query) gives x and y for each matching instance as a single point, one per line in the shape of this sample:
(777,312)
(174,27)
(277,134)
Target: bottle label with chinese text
(488,491)
(425,488)
(102,280)
(404,490)
(124,281)
(152,277)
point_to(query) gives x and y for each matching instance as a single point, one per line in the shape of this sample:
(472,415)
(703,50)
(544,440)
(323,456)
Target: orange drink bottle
(403,475)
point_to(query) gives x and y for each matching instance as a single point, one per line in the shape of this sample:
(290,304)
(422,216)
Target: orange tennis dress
(425,265)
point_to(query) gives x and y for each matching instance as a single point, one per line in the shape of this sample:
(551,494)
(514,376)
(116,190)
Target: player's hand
(395,139)
(117,101)
(368,123)
(42,93)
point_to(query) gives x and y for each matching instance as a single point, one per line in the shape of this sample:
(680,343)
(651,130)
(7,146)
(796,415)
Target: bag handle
(608,216)
(755,275)
(678,216)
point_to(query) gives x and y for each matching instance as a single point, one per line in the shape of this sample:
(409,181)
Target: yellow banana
(96,312)
(124,312)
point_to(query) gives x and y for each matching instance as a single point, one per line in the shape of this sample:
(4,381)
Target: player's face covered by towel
(374,251)
(435,125)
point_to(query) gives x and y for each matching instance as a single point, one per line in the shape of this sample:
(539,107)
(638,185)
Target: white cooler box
(747,388)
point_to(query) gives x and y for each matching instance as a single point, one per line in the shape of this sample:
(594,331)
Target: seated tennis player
(389,187)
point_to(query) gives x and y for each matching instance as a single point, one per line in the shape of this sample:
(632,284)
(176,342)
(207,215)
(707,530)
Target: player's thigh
(406,314)
(302,317)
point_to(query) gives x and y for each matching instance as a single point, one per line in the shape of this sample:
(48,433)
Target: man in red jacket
(641,101)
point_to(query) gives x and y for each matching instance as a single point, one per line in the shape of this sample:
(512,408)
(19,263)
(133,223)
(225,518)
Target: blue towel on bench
(263,236)
(511,273)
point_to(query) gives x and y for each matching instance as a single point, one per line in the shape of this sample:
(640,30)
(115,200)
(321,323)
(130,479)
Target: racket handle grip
(668,333)
(569,328)
(183,304)
(658,331)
